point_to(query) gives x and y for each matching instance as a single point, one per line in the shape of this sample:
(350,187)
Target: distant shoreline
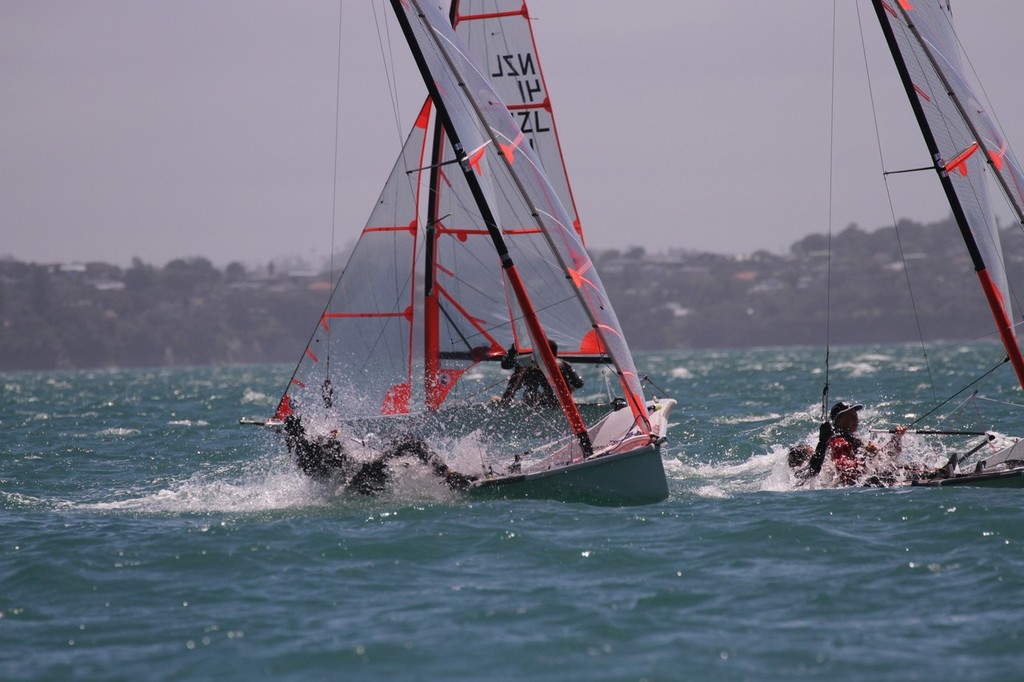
(191,313)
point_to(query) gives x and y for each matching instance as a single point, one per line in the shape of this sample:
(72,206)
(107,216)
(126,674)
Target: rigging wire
(388,58)
(972,383)
(647,379)
(892,210)
(828,268)
(334,184)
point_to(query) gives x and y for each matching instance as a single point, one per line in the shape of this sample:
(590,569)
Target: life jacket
(845,449)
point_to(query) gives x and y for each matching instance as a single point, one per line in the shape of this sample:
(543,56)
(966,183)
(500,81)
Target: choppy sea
(146,535)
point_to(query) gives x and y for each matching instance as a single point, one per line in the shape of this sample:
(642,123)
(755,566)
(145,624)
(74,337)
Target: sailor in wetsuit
(849,452)
(837,440)
(323,458)
(537,392)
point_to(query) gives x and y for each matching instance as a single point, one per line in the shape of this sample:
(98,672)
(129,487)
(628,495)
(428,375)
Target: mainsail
(470,248)
(967,146)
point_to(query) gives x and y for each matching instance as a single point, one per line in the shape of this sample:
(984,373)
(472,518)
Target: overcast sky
(164,129)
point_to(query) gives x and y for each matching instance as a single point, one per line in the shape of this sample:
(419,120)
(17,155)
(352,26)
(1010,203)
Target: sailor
(373,477)
(323,458)
(807,461)
(327,393)
(536,390)
(319,456)
(849,453)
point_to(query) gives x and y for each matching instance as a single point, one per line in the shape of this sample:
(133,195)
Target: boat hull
(1013,478)
(624,479)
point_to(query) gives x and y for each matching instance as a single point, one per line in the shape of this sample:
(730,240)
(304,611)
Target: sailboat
(969,153)
(474,255)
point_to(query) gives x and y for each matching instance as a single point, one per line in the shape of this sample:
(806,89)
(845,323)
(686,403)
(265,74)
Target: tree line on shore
(889,285)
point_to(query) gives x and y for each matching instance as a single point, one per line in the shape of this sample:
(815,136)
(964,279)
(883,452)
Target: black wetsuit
(324,457)
(536,389)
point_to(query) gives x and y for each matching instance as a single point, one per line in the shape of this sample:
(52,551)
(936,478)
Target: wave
(253,397)
(767,471)
(205,494)
(274,484)
(118,431)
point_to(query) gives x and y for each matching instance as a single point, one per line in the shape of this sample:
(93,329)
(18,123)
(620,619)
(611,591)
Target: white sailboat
(969,153)
(473,250)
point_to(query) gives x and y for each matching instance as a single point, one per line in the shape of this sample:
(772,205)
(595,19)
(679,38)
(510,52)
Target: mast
(431,305)
(530,316)
(435,390)
(992,294)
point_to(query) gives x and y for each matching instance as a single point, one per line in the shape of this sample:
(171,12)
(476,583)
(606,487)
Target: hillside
(188,312)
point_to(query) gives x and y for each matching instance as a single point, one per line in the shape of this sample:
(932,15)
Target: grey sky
(198,127)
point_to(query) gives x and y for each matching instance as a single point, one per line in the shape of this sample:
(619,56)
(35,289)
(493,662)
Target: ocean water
(148,536)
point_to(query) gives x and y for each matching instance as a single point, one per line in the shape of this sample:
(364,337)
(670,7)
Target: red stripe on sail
(411,227)
(995,302)
(344,315)
(423,120)
(492,15)
(997,157)
(311,355)
(474,158)
(464,234)
(284,408)
(396,401)
(959,164)
(545,105)
(443,384)
(905,4)
(592,344)
(582,265)
(509,149)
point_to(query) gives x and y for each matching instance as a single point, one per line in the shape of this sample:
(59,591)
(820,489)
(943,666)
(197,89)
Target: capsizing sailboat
(473,258)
